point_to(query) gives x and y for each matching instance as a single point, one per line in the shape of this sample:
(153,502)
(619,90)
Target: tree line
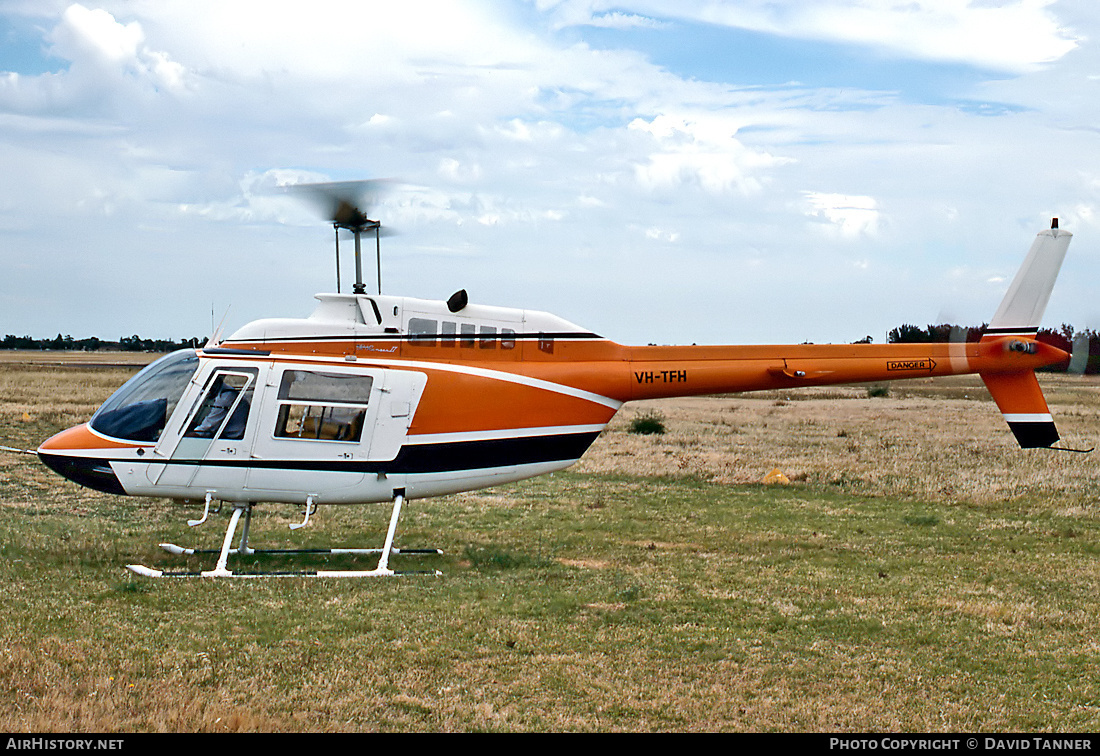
(133,343)
(1063,338)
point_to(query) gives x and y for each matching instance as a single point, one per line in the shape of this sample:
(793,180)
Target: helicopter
(376,398)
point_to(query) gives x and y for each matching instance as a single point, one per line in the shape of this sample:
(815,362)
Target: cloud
(102,50)
(1010,36)
(616,20)
(849,216)
(95,36)
(700,150)
(536,170)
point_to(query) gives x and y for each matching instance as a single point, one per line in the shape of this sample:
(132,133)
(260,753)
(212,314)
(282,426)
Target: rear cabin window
(469,332)
(422,331)
(447,335)
(322,406)
(426,332)
(488,337)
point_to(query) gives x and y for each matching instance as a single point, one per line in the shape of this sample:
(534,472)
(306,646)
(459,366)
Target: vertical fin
(1022,308)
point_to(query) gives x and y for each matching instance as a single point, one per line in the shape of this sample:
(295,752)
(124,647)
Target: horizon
(1057,331)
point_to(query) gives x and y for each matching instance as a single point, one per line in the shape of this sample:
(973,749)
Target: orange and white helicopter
(379,398)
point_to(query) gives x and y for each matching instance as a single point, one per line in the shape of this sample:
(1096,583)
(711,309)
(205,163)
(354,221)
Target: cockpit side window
(224,409)
(139,410)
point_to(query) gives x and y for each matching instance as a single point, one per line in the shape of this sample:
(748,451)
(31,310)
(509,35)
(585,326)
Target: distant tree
(941,333)
(18,342)
(1072,341)
(908,334)
(127,343)
(1065,338)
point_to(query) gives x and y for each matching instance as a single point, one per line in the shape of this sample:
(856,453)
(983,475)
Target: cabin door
(214,449)
(322,427)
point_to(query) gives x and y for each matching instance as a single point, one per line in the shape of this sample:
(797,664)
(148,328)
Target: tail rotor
(1079,357)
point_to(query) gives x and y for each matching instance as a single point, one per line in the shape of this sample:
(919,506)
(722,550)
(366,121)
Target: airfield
(907,568)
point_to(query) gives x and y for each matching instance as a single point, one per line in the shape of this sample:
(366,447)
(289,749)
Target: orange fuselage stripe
(630,373)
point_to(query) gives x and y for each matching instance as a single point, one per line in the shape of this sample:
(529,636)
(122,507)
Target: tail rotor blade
(1079,359)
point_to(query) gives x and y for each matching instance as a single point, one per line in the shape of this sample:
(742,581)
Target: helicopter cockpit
(140,408)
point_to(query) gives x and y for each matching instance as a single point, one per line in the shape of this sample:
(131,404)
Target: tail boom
(661,372)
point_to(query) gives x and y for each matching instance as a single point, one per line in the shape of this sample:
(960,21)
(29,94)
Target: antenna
(216,334)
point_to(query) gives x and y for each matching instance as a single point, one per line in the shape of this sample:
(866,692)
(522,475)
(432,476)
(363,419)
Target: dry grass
(919,574)
(42,396)
(942,440)
(48,358)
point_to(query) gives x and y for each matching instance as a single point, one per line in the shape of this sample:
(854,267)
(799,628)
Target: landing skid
(140,569)
(222,570)
(172,548)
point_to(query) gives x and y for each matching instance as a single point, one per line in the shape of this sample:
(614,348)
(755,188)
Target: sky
(657,171)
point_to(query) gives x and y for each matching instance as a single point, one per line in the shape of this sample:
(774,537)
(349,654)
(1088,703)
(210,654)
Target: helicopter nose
(71,454)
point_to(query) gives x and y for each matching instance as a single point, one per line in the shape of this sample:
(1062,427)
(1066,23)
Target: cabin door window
(314,428)
(319,406)
(213,450)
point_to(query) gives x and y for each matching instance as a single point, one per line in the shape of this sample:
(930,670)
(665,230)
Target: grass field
(918,573)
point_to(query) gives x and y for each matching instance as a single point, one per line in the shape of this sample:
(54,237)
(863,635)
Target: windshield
(139,410)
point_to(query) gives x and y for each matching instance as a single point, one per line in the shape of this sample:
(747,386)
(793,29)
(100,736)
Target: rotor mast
(351,218)
(341,202)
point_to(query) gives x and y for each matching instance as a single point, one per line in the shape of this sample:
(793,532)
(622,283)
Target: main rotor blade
(346,203)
